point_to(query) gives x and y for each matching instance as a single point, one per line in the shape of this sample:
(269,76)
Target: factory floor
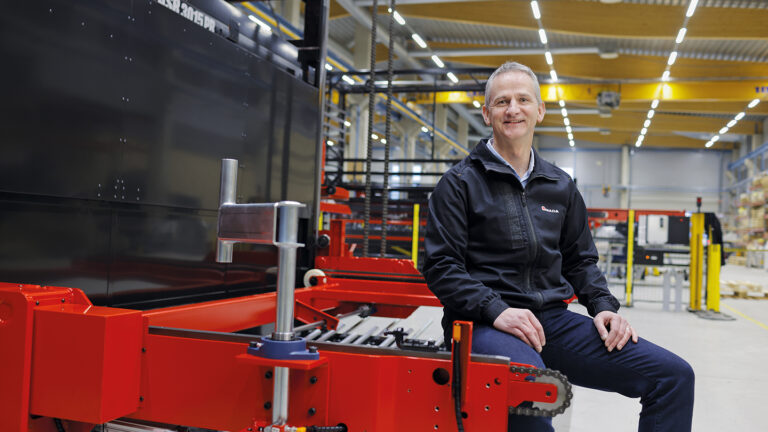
(730,359)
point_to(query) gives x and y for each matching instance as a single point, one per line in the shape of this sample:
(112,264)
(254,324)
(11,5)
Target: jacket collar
(541,168)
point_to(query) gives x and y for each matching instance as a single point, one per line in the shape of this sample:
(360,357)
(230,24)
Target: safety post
(713,277)
(697,260)
(630,255)
(415,238)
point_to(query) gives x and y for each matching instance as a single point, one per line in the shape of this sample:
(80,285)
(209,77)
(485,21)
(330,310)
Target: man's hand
(522,324)
(620,330)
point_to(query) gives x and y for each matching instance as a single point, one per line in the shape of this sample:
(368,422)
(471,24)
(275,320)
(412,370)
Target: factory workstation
(384,215)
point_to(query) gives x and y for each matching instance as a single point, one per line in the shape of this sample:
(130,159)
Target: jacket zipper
(534,243)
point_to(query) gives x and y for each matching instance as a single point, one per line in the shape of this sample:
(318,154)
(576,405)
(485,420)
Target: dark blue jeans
(663,381)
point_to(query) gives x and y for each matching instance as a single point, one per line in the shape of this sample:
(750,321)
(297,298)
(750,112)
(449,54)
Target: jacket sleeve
(445,244)
(580,259)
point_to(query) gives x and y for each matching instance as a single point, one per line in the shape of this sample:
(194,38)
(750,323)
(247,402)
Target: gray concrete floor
(730,359)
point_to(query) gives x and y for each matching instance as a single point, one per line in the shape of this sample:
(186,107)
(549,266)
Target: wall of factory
(659,178)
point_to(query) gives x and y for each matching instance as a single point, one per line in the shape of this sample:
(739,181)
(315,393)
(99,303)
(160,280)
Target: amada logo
(549,210)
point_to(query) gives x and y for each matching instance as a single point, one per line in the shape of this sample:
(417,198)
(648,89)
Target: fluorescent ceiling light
(570,136)
(732,123)
(330,143)
(347,123)
(564,112)
(753,103)
(437,61)
(328,67)
(641,138)
(424,129)
(571,143)
(691,8)
(383,140)
(643,131)
(647,123)
(348,80)
(665,76)
(476,104)
(739,116)
(548,56)
(374,136)
(543,36)
(419,40)
(536,11)
(398,18)
(723,130)
(568,129)
(562,103)
(452,77)
(715,138)
(638,144)
(567,121)
(672,58)
(654,104)
(681,35)
(651,113)
(553,74)
(709,144)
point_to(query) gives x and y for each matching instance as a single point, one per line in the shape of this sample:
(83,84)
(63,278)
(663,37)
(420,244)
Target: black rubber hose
(59,426)
(457,385)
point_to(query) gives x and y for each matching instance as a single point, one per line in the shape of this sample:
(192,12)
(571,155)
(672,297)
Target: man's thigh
(574,347)
(488,340)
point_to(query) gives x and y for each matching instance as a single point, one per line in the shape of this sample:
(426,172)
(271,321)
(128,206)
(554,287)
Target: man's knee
(680,372)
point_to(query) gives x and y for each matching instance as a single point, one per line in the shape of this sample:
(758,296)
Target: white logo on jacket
(549,210)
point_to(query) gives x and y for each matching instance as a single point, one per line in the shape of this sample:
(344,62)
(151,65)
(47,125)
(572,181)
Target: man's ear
(486,115)
(542,111)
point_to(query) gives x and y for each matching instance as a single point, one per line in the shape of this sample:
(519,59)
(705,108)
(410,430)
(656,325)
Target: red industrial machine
(69,365)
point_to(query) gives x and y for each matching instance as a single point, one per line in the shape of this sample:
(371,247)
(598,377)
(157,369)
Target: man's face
(512,109)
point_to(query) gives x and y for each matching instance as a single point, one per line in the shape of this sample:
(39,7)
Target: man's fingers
(624,338)
(538,328)
(618,327)
(521,335)
(601,330)
(634,335)
(533,337)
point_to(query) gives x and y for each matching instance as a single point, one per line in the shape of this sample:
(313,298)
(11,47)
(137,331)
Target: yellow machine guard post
(415,238)
(630,255)
(697,260)
(713,277)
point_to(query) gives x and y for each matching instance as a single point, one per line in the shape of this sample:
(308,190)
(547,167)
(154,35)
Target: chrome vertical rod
(286,278)
(227,195)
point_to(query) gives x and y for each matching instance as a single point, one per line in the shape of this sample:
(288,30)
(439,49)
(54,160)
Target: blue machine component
(283,350)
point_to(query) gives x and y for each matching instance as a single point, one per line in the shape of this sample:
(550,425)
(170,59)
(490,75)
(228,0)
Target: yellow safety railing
(630,255)
(713,277)
(697,260)
(415,237)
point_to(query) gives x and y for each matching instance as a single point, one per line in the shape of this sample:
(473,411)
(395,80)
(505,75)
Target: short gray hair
(512,67)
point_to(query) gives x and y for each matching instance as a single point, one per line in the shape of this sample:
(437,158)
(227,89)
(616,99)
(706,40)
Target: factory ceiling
(624,47)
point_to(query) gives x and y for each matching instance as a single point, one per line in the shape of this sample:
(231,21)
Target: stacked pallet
(742,289)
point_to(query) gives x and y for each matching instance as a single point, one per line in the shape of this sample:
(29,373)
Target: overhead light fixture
(476,104)
(568,129)
(374,136)
(753,103)
(723,130)
(564,112)
(672,58)
(348,80)
(641,138)
(647,123)
(553,74)
(562,103)
(535,8)
(328,67)
(732,123)
(665,76)
(654,104)
(452,77)
(567,121)
(383,140)
(419,40)
(739,116)
(330,143)
(709,144)
(638,144)
(398,18)
(680,35)
(570,136)
(715,138)
(437,61)
(543,36)
(691,8)
(571,143)
(608,54)
(347,123)
(548,56)
(424,129)
(643,131)
(651,113)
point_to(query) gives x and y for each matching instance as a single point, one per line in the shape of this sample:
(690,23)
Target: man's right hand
(522,324)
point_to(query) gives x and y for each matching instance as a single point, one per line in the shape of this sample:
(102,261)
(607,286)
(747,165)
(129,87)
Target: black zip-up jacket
(492,244)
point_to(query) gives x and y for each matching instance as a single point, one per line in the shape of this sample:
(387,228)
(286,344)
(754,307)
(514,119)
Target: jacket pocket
(513,217)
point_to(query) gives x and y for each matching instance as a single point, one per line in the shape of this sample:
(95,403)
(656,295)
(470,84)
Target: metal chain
(387,133)
(536,412)
(369,150)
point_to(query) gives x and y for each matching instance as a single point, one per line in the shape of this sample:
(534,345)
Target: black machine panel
(114,120)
